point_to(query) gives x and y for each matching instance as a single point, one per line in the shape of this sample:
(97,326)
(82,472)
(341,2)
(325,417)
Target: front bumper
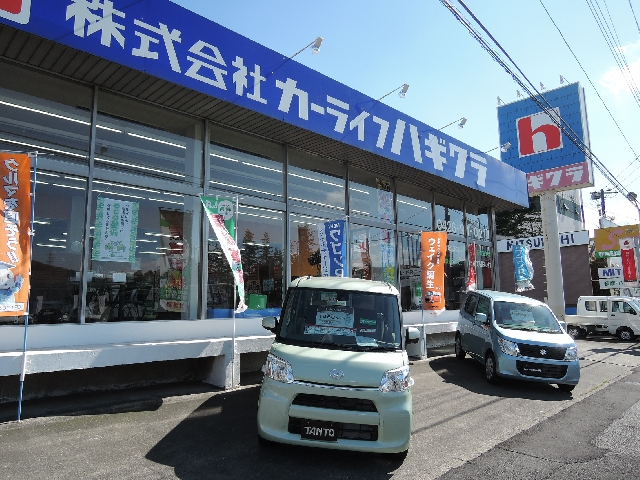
(538,370)
(278,416)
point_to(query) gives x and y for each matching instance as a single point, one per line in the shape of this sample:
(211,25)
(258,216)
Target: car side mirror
(482,317)
(269,323)
(412,335)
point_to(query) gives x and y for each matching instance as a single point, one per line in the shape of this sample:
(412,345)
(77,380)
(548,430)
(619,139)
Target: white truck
(595,315)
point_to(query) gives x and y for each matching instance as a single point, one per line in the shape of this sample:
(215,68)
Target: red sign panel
(568,177)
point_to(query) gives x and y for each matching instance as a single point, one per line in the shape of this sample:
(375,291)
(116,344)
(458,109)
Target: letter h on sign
(538,133)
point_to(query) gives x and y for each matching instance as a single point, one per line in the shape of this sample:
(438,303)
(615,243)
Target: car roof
(508,297)
(342,283)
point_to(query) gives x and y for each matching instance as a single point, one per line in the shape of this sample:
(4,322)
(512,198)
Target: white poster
(116,226)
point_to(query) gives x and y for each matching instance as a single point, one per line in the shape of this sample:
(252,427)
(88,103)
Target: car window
(470,304)
(484,306)
(341,319)
(590,305)
(603,306)
(616,306)
(627,308)
(524,316)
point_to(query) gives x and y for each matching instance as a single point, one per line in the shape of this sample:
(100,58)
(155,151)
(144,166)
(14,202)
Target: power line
(592,85)
(634,16)
(531,90)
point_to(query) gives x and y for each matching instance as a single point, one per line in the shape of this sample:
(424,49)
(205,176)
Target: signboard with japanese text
(539,147)
(15,242)
(607,240)
(116,227)
(165,40)
(333,248)
(433,251)
(220,212)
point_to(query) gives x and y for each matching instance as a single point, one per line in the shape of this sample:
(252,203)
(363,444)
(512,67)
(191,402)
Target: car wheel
(566,388)
(263,442)
(625,334)
(574,332)
(490,369)
(460,353)
(397,457)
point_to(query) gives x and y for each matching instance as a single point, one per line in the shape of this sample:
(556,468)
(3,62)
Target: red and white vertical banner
(471,272)
(629,261)
(15,242)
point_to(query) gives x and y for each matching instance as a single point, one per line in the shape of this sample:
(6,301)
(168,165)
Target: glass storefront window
(316,183)
(57,249)
(373,253)
(44,114)
(410,270)
(370,196)
(144,260)
(139,138)
(246,165)
(260,235)
(478,223)
(414,206)
(304,244)
(483,264)
(454,274)
(449,217)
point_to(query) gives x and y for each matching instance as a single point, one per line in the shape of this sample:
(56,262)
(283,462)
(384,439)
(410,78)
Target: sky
(375,46)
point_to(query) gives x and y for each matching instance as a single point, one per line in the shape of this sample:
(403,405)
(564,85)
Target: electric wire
(634,16)
(591,83)
(532,91)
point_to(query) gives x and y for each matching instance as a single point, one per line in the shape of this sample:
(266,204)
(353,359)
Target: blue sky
(375,46)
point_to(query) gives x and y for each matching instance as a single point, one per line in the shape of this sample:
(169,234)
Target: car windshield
(524,316)
(341,319)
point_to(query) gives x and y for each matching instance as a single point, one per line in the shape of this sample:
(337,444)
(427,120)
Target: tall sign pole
(552,258)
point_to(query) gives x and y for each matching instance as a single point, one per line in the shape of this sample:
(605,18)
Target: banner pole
(233,354)
(26,316)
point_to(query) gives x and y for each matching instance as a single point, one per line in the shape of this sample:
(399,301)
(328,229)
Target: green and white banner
(116,226)
(220,212)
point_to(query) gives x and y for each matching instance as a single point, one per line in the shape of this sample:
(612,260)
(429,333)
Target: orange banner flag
(433,251)
(15,243)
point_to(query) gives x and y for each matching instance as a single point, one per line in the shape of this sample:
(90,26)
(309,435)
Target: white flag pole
(233,354)
(26,316)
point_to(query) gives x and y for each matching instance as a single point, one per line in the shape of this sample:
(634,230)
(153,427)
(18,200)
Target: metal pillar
(552,259)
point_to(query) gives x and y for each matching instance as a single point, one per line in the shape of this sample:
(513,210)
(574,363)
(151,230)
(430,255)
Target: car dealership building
(148,103)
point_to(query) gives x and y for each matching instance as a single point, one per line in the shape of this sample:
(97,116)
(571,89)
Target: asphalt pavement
(463,428)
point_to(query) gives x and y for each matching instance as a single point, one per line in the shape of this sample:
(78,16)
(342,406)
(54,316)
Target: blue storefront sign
(170,42)
(539,147)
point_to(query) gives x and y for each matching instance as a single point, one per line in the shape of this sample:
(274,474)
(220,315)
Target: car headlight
(571,354)
(396,380)
(508,347)
(278,369)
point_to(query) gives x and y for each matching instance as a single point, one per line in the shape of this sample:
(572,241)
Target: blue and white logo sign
(165,40)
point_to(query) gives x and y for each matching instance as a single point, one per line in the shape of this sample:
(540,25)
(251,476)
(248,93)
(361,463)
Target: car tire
(574,332)
(565,387)
(397,457)
(490,369)
(625,334)
(263,442)
(460,353)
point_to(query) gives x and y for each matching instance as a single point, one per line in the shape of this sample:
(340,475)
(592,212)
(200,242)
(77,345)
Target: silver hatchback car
(516,337)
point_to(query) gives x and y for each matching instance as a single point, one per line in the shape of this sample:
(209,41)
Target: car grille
(348,431)
(535,351)
(531,369)
(334,403)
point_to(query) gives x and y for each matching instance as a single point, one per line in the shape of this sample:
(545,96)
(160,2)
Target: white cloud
(615,81)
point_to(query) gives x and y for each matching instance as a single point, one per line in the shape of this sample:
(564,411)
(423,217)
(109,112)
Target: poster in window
(114,238)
